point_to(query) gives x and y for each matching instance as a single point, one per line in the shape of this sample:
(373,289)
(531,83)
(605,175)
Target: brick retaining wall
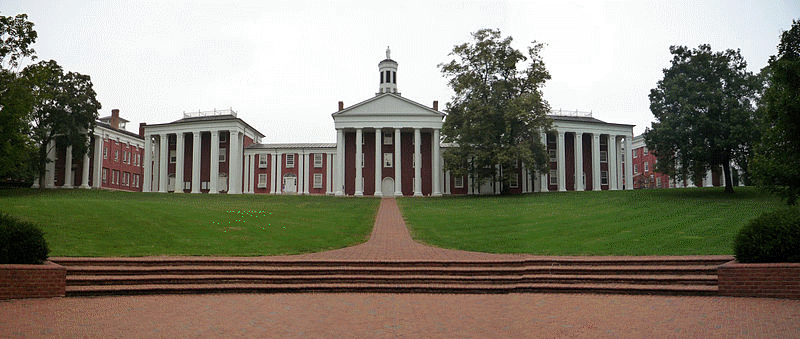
(32,281)
(775,280)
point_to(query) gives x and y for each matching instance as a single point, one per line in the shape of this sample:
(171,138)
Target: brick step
(389,288)
(390,279)
(272,262)
(334,270)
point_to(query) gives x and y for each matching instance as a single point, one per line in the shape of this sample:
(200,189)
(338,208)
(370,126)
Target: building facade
(645,175)
(386,145)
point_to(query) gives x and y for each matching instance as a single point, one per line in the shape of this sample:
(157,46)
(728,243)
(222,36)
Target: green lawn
(641,222)
(102,223)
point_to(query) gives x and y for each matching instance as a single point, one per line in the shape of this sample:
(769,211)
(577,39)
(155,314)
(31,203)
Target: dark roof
(108,126)
(108,118)
(222,117)
(292,145)
(590,120)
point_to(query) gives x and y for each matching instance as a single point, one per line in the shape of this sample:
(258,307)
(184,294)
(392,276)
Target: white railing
(198,114)
(575,113)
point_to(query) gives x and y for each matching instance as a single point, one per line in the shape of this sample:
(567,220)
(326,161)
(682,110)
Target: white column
(628,163)
(378,162)
(417,163)
(543,181)
(273,166)
(595,161)
(213,172)
(339,182)
(147,177)
(498,183)
(85,171)
(97,174)
(68,179)
(163,161)
(328,172)
(246,175)
(612,162)
(398,173)
(579,161)
(253,179)
(235,163)
(524,178)
(279,175)
(447,182)
(436,164)
(196,164)
(179,159)
(359,170)
(562,172)
(620,161)
(707,181)
(306,176)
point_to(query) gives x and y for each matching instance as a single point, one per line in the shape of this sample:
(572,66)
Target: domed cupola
(388,75)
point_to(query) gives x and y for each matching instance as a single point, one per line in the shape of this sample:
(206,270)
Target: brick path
(400,315)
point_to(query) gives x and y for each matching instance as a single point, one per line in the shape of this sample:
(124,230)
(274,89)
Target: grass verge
(692,221)
(102,223)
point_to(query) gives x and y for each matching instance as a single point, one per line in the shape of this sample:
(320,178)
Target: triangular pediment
(387,105)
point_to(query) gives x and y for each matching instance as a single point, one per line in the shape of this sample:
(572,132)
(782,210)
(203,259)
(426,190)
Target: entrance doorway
(387,187)
(290,183)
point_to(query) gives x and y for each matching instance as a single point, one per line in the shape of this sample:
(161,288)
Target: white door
(387,187)
(290,183)
(487,187)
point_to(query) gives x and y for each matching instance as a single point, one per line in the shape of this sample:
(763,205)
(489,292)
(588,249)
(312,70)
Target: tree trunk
(726,171)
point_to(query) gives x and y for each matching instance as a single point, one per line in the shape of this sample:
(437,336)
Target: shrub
(771,237)
(21,242)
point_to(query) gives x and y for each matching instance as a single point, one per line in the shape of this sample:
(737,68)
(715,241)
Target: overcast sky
(284,66)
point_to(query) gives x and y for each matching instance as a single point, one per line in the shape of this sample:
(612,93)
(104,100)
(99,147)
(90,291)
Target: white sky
(284,66)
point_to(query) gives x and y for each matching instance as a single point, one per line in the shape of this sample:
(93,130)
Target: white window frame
(105,175)
(553,177)
(514,181)
(646,167)
(387,138)
(635,168)
(289,160)
(223,156)
(603,156)
(262,160)
(116,156)
(173,156)
(362,160)
(317,160)
(458,181)
(105,152)
(317,180)
(635,154)
(658,182)
(223,137)
(262,180)
(603,177)
(388,160)
(553,155)
(645,151)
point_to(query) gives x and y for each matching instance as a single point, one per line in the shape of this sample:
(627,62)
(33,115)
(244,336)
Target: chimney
(436,105)
(115,118)
(341,105)
(141,129)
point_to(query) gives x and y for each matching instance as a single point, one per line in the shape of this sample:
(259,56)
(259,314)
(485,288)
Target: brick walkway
(400,315)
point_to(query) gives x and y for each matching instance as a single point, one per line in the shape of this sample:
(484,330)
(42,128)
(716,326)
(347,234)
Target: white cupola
(388,75)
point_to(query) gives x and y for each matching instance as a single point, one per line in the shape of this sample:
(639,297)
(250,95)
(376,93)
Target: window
(204,185)
(513,182)
(604,178)
(126,179)
(116,177)
(105,175)
(116,155)
(387,160)
(645,151)
(553,177)
(317,160)
(262,180)
(262,160)
(603,141)
(172,156)
(603,156)
(635,168)
(387,138)
(223,137)
(317,180)
(459,181)
(622,157)
(635,154)
(105,152)
(362,160)
(552,153)
(658,182)
(646,168)
(290,161)
(222,156)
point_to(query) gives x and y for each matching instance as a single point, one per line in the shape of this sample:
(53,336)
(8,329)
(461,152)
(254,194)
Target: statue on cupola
(388,75)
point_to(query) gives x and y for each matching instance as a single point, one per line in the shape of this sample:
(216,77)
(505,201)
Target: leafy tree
(704,107)
(775,165)
(65,106)
(16,37)
(498,110)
